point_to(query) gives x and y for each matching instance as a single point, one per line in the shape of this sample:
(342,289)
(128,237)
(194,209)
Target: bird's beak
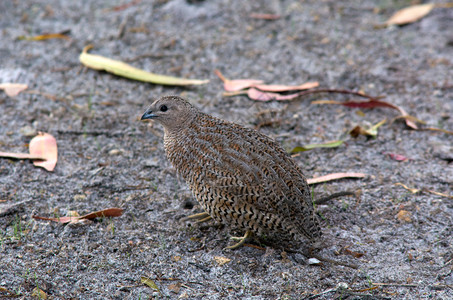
(148,115)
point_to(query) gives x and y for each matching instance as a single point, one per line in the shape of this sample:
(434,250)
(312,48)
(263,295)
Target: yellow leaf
(410,14)
(122,69)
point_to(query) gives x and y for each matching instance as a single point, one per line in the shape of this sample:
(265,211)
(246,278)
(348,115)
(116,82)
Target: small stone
(115,152)
(79,197)
(28,131)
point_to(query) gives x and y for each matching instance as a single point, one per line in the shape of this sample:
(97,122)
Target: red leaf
(109,212)
(372,104)
(397,157)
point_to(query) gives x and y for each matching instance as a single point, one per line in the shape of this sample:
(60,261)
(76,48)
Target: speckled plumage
(241,177)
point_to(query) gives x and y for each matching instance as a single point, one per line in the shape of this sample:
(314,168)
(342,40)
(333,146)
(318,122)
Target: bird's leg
(202,217)
(241,240)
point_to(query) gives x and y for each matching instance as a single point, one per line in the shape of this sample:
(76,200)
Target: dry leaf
(258,95)
(44,145)
(150,283)
(372,104)
(286,88)
(269,17)
(334,176)
(43,152)
(124,6)
(122,69)
(175,287)
(397,157)
(413,191)
(44,37)
(38,293)
(371,131)
(438,129)
(404,216)
(439,194)
(410,14)
(237,84)
(332,144)
(220,260)
(356,254)
(13,89)
(74,218)
(241,84)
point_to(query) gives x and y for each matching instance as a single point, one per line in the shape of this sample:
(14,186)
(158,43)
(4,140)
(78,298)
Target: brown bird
(239,176)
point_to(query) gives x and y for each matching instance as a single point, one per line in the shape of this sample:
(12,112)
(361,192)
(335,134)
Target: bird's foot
(241,240)
(201,217)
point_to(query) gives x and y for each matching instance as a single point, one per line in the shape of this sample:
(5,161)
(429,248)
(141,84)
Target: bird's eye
(163,108)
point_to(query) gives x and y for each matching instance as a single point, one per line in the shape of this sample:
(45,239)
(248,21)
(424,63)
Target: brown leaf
(346,250)
(124,6)
(175,287)
(237,84)
(410,14)
(334,176)
(404,216)
(73,218)
(269,17)
(38,293)
(13,89)
(44,37)
(109,212)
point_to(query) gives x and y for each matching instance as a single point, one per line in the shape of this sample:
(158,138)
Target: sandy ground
(107,158)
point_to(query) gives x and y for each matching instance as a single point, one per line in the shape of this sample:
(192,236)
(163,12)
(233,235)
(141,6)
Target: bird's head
(172,112)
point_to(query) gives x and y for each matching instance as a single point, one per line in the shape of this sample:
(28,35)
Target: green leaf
(332,144)
(150,283)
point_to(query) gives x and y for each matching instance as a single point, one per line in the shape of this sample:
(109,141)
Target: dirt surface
(107,158)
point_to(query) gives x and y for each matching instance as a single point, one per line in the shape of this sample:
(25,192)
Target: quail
(241,177)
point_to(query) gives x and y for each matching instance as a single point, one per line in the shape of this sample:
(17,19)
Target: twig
(322,293)
(394,284)
(319,91)
(333,196)
(310,253)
